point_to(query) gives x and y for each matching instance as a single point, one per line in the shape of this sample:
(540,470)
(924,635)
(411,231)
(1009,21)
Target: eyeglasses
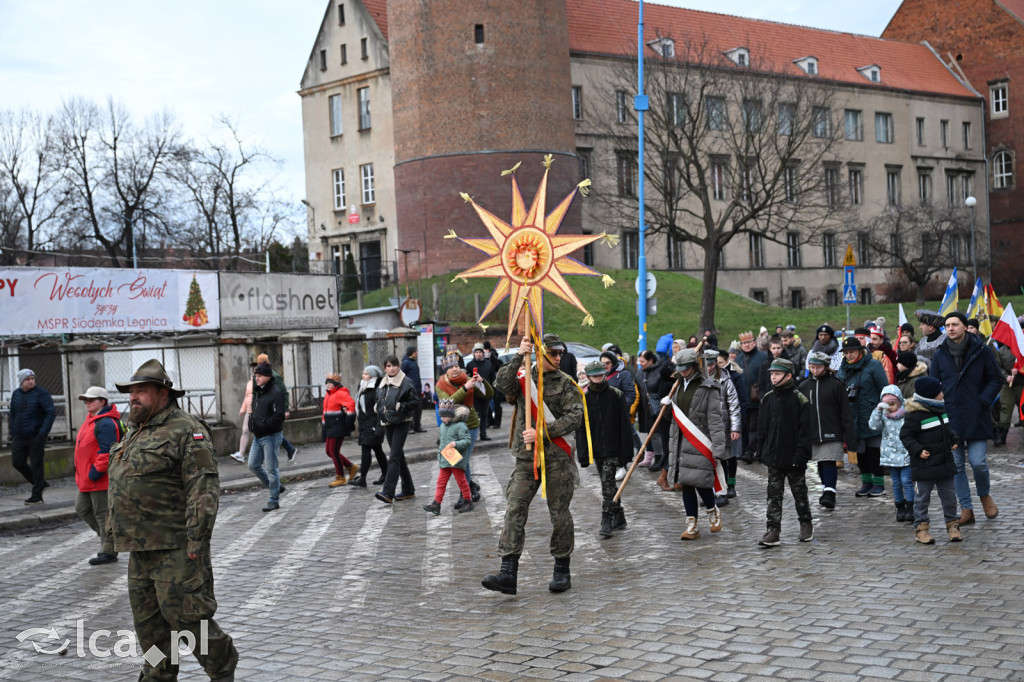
(555,352)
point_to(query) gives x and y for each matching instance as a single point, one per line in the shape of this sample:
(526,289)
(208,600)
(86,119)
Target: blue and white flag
(972,309)
(951,299)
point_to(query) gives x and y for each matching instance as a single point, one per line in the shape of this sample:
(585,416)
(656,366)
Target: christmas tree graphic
(195,307)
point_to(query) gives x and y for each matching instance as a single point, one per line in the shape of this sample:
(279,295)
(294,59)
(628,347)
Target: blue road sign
(849,293)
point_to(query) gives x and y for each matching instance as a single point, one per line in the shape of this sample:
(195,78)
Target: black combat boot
(618,519)
(606,525)
(560,581)
(504,580)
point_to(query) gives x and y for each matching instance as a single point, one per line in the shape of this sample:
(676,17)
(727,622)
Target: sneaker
(434,508)
(459,503)
(35,499)
(620,473)
(770,539)
(237,456)
(466,507)
(404,496)
(806,532)
(291,455)
(876,491)
(271,506)
(864,489)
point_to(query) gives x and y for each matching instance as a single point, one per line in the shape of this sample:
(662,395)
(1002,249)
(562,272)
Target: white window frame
(893,186)
(369,193)
(919,125)
(853,124)
(677,108)
(944,133)
(966,127)
(1000,98)
(793,258)
(719,179)
(1002,170)
(832,194)
(884,133)
(856,186)
(338,185)
(924,187)
(828,250)
(577,103)
(717,113)
(365,122)
(620,105)
(787,118)
(334,114)
(821,122)
(756,251)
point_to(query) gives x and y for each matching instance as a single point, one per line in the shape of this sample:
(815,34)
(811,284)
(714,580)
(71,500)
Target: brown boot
(953,529)
(991,510)
(922,534)
(663,480)
(966,517)
(691,532)
(338,480)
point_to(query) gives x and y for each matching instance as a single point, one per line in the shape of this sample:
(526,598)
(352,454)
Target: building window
(787,118)
(630,249)
(756,251)
(752,115)
(338,180)
(967,134)
(323,60)
(856,186)
(366,175)
(793,250)
(854,124)
(924,186)
(958,188)
(666,47)
(671,178)
(919,126)
(893,187)
(759,296)
(1000,99)
(715,113)
(832,297)
(828,250)
(478,34)
(588,251)
(620,105)
(957,249)
(577,102)
(583,156)
(334,106)
(928,245)
(821,122)
(863,249)
(832,185)
(747,180)
(944,133)
(625,172)
(796,298)
(363,49)
(344,53)
(866,296)
(675,253)
(364,108)
(341,14)
(676,108)
(1002,170)
(719,179)
(895,247)
(883,128)
(789,182)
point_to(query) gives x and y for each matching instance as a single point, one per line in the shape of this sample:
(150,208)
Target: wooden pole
(643,448)
(528,380)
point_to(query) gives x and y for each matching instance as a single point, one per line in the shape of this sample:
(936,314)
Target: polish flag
(1008,332)
(702,444)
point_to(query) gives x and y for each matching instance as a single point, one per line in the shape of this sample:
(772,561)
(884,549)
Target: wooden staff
(643,447)
(527,402)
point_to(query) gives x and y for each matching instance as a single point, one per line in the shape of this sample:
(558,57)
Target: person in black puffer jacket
(833,419)
(929,438)
(396,401)
(371,431)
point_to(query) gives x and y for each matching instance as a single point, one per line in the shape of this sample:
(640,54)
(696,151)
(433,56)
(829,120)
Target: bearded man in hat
(564,407)
(163,497)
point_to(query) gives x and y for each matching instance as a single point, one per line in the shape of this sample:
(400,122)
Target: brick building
(983,40)
(462,90)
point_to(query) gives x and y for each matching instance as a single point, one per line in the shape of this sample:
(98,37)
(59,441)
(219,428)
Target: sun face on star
(527,256)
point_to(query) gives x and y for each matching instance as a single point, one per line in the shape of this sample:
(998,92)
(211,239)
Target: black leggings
(398,469)
(366,462)
(869,461)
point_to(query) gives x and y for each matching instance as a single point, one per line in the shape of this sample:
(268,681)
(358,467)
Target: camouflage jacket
(562,397)
(164,487)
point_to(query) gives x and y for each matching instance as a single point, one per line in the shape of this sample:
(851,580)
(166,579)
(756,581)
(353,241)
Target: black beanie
(907,359)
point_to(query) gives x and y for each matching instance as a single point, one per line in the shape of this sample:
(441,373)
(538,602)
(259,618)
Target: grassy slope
(614,309)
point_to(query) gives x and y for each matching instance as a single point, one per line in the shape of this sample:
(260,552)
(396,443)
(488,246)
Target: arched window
(1002,170)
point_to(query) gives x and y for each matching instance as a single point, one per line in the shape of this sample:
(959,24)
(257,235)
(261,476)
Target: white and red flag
(1007,331)
(702,443)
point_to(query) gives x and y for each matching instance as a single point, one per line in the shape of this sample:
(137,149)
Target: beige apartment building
(907,128)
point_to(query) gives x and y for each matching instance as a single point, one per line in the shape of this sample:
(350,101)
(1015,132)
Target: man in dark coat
(611,436)
(750,361)
(31,417)
(970,383)
(481,364)
(266,422)
(784,438)
(411,369)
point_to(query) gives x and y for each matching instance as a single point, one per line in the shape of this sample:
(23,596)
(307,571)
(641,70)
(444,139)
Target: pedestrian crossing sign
(849,293)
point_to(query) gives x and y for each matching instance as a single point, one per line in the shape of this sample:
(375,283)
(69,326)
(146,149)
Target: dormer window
(666,47)
(873,73)
(739,55)
(809,65)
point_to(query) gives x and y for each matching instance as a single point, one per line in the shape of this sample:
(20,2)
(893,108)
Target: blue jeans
(902,484)
(265,449)
(977,458)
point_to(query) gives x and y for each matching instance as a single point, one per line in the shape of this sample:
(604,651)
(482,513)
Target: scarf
(363,387)
(957,350)
(827,348)
(928,402)
(901,375)
(395,381)
(451,387)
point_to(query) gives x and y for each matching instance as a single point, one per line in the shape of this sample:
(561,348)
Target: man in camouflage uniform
(163,497)
(562,397)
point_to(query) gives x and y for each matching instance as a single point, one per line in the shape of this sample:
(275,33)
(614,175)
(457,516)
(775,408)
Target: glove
(94,475)
(884,406)
(666,400)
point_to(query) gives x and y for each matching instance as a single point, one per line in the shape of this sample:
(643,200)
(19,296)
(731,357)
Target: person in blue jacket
(31,417)
(970,383)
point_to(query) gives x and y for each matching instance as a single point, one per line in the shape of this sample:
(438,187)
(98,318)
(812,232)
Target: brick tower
(477,86)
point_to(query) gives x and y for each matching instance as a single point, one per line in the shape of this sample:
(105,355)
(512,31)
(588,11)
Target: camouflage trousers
(168,591)
(777,487)
(609,486)
(562,478)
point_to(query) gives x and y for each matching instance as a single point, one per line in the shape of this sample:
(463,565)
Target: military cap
(686,356)
(553,341)
(594,367)
(818,358)
(150,372)
(781,365)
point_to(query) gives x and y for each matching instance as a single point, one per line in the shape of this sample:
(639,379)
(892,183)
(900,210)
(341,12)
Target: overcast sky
(202,59)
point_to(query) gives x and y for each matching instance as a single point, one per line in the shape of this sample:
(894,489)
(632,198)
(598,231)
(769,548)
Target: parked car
(582,351)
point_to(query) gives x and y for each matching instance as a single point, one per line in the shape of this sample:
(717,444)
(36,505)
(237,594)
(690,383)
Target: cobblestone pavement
(338,586)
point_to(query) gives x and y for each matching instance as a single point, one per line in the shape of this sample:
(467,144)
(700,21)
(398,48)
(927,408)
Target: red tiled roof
(1014,7)
(609,27)
(378,9)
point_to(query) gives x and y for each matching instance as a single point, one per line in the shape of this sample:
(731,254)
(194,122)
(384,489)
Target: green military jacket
(561,395)
(164,487)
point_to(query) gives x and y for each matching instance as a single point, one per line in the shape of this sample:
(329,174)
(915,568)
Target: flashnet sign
(111,301)
(258,301)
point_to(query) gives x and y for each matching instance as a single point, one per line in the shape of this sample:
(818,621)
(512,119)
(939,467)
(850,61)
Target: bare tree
(10,224)
(729,150)
(30,171)
(917,241)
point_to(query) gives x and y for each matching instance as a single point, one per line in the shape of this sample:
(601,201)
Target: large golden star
(528,257)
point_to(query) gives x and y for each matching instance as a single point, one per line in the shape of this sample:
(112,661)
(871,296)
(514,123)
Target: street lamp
(970,202)
(131,228)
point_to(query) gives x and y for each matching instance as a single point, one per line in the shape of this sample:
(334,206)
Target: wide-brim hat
(150,372)
(95,392)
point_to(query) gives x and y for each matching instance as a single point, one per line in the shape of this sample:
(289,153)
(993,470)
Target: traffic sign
(848,259)
(652,284)
(848,276)
(849,293)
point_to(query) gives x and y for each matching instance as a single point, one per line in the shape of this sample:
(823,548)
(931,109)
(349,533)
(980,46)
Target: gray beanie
(374,371)
(25,374)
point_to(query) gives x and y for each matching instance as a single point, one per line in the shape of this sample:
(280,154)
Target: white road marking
(359,561)
(438,570)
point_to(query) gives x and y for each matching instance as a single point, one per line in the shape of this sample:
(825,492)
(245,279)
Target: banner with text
(258,301)
(99,300)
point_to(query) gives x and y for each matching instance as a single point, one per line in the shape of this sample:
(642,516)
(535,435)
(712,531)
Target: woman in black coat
(396,400)
(371,431)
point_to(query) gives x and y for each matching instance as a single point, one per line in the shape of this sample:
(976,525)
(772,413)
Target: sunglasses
(555,352)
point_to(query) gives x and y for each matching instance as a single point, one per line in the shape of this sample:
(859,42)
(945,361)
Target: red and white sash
(703,445)
(549,416)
